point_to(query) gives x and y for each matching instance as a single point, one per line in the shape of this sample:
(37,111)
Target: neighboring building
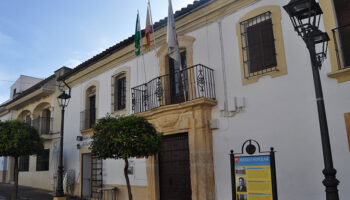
(37,105)
(22,84)
(247,75)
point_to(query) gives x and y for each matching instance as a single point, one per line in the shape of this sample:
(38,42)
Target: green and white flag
(137,36)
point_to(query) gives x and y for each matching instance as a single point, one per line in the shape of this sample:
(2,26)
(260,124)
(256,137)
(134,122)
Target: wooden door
(174,168)
(86,176)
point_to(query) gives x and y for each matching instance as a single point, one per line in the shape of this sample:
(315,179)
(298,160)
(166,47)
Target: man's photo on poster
(241,184)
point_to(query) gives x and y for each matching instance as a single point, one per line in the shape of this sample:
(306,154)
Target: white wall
(113,169)
(280,113)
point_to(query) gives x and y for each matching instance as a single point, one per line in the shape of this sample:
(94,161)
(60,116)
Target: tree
(125,137)
(18,139)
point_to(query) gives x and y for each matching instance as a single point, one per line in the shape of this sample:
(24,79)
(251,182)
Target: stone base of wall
(40,180)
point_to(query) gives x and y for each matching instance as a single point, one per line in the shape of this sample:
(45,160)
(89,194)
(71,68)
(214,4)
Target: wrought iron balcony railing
(87,119)
(186,85)
(341,36)
(43,125)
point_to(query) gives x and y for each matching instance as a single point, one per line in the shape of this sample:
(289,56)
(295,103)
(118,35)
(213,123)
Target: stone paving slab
(24,193)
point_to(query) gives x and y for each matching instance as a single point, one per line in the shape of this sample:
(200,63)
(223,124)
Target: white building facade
(232,91)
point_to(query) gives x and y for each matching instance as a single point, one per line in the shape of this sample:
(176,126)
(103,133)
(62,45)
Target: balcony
(186,85)
(341,36)
(87,119)
(43,125)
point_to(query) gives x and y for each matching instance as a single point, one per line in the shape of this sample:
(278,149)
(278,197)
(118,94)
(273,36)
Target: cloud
(73,63)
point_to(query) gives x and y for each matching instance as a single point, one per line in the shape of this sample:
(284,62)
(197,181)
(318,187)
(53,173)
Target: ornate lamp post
(306,16)
(63,100)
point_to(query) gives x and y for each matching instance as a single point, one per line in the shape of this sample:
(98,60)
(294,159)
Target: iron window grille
(258,45)
(23,164)
(87,118)
(120,92)
(42,161)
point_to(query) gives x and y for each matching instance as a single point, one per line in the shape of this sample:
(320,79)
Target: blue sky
(38,36)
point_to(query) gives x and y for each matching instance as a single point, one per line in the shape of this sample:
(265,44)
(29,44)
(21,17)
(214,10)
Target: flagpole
(150,13)
(154,37)
(141,49)
(173,45)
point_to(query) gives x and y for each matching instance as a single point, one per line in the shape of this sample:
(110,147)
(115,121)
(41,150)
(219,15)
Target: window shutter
(261,46)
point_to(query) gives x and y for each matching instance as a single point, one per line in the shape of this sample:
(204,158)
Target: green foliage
(125,137)
(19,139)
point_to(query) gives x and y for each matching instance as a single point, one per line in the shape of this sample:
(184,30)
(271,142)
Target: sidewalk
(24,193)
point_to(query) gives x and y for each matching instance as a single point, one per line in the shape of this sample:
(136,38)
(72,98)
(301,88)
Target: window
(42,161)
(342,32)
(258,45)
(120,93)
(261,44)
(45,122)
(178,87)
(23,164)
(88,116)
(336,18)
(28,120)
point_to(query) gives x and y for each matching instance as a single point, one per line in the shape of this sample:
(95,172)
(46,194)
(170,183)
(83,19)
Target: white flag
(173,44)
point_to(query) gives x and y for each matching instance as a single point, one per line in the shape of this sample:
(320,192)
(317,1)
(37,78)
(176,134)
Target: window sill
(273,74)
(341,75)
(87,131)
(120,112)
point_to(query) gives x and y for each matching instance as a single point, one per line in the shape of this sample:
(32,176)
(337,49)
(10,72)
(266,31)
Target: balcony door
(45,123)
(92,110)
(178,80)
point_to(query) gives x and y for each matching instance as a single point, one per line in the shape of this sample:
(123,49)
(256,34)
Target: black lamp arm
(69,88)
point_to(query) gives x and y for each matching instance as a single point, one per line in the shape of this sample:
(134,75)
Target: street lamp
(63,100)
(305,16)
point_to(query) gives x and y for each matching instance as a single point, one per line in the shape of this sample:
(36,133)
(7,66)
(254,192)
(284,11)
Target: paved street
(24,193)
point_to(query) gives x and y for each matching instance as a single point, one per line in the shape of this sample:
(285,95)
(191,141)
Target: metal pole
(59,189)
(273,174)
(233,177)
(330,181)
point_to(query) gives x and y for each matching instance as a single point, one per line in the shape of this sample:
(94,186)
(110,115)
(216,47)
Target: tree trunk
(127,178)
(15,188)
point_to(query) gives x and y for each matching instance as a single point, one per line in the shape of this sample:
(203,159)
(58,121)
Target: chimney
(61,71)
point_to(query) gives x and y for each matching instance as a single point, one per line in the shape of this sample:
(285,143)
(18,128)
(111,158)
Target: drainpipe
(226,112)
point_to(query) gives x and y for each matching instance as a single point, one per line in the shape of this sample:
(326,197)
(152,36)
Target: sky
(38,37)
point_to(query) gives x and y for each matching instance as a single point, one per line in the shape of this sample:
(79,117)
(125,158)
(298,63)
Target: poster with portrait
(253,178)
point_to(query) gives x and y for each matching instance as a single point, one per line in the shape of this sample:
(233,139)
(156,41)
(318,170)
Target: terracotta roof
(157,25)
